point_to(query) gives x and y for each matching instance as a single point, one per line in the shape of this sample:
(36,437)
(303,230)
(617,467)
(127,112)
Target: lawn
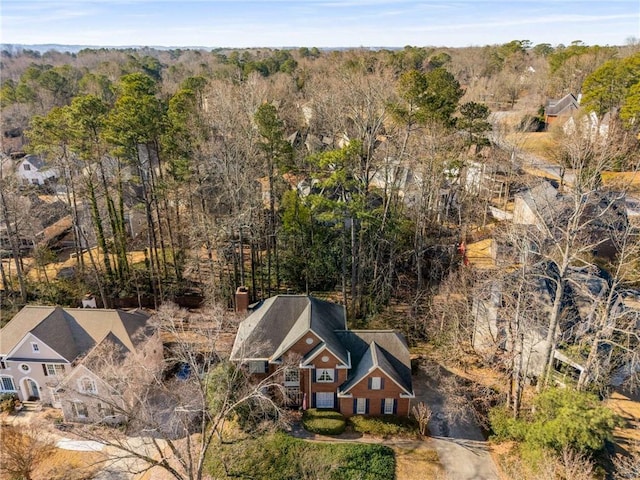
(281,457)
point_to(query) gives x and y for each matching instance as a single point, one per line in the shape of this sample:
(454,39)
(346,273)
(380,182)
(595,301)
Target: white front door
(324,400)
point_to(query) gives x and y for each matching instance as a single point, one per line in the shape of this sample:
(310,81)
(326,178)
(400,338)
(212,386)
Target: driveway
(462,449)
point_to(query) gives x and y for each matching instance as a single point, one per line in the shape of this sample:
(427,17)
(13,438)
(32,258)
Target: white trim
(23,370)
(377,367)
(345,395)
(13,382)
(317,374)
(282,350)
(27,393)
(26,338)
(407,395)
(326,396)
(90,381)
(386,404)
(323,346)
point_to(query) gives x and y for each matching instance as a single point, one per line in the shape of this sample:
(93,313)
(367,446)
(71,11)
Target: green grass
(281,457)
(324,422)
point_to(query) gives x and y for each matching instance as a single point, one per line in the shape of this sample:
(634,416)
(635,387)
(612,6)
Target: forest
(363,176)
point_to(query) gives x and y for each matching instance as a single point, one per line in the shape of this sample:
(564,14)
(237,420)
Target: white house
(34,171)
(44,352)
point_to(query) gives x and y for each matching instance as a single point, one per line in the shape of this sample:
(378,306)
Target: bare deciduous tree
(176,410)
(23,449)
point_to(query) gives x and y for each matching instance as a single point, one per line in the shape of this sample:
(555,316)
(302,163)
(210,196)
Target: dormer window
(35,348)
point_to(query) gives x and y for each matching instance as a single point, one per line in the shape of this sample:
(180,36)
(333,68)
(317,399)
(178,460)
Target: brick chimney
(242,299)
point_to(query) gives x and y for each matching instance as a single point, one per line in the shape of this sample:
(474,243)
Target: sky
(317,23)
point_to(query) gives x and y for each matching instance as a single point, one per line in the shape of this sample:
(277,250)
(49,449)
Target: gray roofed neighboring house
(42,346)
(33,170)
(564,106)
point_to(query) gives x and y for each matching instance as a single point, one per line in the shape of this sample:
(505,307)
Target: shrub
(384,426)
(8,402)
(563,418)
(324,422)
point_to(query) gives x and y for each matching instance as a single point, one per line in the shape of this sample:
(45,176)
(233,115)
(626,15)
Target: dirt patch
(629,409)
(418,463)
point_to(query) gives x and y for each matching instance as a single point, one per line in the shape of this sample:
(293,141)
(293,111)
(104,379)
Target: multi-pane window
(376,383)
(324,375)
(291,377)
(55,396)
(361,406)
(7,385)
(35,347)
(87,385)
(53,369)
(388,406)
(324,400)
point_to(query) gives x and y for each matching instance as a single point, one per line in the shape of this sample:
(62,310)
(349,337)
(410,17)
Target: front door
(32,388)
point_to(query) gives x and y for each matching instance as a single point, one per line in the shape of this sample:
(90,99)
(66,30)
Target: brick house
(46,356)
(325,364)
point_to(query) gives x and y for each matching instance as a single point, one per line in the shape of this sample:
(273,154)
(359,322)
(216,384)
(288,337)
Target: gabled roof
(72,332)
(374,349)
(566,104)
(282,320)
(34,160)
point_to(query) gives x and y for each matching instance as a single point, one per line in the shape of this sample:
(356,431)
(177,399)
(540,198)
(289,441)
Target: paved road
(459,442)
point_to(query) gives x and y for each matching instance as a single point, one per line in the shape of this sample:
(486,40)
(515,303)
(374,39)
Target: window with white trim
(88,385)
(324,375)
(324,400)
(53,369)
(55,396)
(257,366)
(388,406)
(7,385)
(79,410)
(376,383)
(26,167)
(35,348)
(361,406)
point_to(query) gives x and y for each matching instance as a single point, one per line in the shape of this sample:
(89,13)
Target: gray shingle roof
(371,349)
(72,332)
(282,320)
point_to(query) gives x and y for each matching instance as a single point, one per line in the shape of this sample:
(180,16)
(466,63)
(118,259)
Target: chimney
(242,299)
(89,301)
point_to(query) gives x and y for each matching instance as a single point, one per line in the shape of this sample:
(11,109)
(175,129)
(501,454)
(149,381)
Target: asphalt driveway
(462,449)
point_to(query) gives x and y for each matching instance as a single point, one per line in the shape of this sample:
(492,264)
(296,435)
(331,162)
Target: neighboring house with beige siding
(352,371)
(44,353)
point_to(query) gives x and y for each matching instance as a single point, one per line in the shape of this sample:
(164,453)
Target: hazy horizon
(320,23)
